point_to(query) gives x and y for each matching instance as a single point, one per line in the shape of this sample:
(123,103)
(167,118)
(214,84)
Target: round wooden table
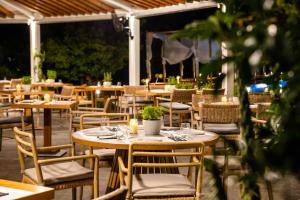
(89,137)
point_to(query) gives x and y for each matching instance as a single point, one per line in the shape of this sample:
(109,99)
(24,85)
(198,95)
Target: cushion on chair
(234,162)
(10,120)
(103,154)
(147,185)
(221,128)
(175,105)
(61,172)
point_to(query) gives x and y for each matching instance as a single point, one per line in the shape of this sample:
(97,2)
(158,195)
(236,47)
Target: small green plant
(107,77)
(171,80)
(151,113)
(51,74)
(26,80)
(185,85)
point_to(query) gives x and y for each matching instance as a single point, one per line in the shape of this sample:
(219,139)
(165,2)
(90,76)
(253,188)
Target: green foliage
(151,113)
(26,80)
(39,67)
(260,33)
(185,85)
(51,74)
(85,52)
(107,76)
(171,80)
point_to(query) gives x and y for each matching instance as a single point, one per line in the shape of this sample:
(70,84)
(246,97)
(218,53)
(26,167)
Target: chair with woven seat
(177,103)
(58,173)
(66,93)
(222,119)
(200,98)
(160,184)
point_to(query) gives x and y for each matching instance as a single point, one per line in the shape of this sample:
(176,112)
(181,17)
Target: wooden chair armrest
(66,146)
(122,166)
(117,193)
(71,158)
(258,121)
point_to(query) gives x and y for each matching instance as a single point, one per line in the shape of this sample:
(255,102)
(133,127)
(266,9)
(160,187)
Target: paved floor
(287,188)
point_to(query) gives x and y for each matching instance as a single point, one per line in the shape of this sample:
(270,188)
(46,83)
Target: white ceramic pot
(170,87)
(106,84)
(50,80)
(152,127)
(26,87)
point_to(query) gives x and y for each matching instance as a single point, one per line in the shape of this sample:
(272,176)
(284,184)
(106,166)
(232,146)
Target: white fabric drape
(149,39)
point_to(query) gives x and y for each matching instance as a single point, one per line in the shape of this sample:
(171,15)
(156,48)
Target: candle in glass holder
(224,99)
(18,88)
(46,97)
(178,79)
(133,124)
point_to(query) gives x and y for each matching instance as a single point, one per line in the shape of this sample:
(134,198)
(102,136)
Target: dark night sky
(14,43)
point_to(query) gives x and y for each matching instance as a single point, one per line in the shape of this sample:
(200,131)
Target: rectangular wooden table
(17,190)
(48,107)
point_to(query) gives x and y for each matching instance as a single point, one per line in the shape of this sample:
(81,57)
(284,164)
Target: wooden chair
(213,92)
(220,118)
(160,185)
(15,82)
(260,98)
(66,93)
(58,173)
(177,103)
(200,98)
(130,100)
(103,119)
(75,114)
(81,96)
(9,122)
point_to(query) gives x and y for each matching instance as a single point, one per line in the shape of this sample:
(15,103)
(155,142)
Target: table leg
(47,127)
(113,181)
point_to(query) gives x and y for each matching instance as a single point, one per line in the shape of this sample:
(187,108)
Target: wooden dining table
(153,93)
(17,190)
(47,107)
(90,138)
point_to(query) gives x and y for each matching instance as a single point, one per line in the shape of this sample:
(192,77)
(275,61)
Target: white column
(134,51)
(228,69)
(35,48)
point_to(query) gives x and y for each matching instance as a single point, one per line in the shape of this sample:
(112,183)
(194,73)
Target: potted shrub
(152,119)
(26,83)
(107,79)
(171,83)
(51,74)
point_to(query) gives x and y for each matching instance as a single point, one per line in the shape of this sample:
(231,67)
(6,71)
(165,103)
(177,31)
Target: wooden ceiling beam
(5,12)
(36,8)
(63,9)
(49,8)
(140,4)
(72,8)
(105,6)
(92,6)
(74,3)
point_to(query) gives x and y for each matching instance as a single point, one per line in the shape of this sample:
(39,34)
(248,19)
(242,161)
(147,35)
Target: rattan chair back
(182,95)
(220,113)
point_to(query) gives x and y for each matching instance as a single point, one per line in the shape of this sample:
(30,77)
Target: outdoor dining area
(201,101)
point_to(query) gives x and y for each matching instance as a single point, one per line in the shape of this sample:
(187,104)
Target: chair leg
(74,193)
(0,139)
(269,189)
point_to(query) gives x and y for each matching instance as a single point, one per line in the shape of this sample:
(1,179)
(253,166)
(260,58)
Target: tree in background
(260,33)
(83,53)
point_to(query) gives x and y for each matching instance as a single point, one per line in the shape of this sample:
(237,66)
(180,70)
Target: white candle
(133,124)
(46,97)
(178,78)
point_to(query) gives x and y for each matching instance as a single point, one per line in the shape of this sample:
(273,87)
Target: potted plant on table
(171,83)
(51,74)
(107,79)
(151,119)
(26,83)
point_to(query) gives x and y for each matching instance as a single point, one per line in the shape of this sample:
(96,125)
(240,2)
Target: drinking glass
(119,84)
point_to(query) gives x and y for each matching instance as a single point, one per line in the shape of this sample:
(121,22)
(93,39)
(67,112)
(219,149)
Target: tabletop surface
(111,88)
(107,138)
(154,92)
(43,104)
(16,190)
